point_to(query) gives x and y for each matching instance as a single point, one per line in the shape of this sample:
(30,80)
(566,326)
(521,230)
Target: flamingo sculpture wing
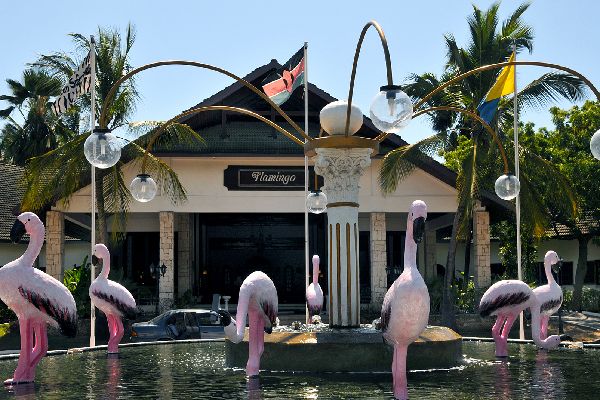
(257,299)
(111,298)
(36,298)
(314,293)
(549,296)
(405,310)
(506,299)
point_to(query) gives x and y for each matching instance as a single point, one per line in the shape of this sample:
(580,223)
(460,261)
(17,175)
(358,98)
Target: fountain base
(347,350)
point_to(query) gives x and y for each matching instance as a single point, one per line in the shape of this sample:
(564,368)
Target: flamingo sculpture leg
(36,298)
(112,298)
(257,300)
(549,296)
(405,310)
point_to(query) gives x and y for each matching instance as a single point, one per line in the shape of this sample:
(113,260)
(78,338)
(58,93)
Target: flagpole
(306,244)
(93,196)
(518,201)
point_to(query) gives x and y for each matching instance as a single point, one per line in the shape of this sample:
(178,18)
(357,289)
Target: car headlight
(133,333)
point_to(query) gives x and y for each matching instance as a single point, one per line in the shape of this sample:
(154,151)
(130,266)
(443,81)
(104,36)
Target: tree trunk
(580,272)
(468,241)
(101,228)
(448,300)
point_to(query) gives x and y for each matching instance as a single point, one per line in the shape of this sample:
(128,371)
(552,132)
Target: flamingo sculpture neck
(36,239)
(235,331)
(410,245)
(102,252)
(315,262)
(548,267)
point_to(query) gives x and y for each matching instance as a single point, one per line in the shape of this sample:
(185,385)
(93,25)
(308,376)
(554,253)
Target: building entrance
(231,246)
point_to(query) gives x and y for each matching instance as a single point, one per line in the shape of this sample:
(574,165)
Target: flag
(79,83)
(281,83)
(505,84)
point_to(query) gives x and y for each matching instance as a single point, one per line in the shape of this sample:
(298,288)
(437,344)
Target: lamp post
(158,272)
(341,158)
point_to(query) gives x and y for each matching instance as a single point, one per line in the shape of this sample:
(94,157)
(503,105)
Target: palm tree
(59,173)
(489,43)
(40,131)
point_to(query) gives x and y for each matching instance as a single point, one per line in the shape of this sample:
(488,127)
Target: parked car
(178,325)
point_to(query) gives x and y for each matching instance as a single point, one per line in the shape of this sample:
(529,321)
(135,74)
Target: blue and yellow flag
(505,84)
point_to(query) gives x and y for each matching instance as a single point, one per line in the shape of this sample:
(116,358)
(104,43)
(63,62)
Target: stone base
(356,350)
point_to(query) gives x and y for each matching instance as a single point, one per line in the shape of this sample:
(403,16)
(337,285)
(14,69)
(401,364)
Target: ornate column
(341,169)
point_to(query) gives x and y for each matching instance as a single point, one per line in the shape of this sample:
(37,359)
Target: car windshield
(158,318)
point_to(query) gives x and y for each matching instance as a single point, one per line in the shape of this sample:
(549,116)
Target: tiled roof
(11,194)
(587,223)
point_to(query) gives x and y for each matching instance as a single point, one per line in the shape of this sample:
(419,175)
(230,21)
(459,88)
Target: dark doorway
(231,246)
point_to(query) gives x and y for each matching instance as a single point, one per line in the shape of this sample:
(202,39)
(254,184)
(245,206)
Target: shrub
(590,299)
(77,280)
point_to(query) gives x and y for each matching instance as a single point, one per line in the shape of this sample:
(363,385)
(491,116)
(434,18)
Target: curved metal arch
(388,64)
(103,115)
(504,64)
(198,110)
(471,114)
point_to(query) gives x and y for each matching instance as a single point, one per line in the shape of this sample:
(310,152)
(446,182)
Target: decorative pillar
(167,257)
(341,169)
(378,250)
(183,254)
(55,243)
(481,241)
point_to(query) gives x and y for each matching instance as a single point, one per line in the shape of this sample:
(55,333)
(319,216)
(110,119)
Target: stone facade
(481,244)
(55,244)
(167,257)
(430,242)
(378,249)
(184,257)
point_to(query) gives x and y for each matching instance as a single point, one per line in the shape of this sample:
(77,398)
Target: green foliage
(466,295)
(6,314)
(506,232)
(78,280)
(185,300)
(590,300)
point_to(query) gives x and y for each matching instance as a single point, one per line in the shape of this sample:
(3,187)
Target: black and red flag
(282,82)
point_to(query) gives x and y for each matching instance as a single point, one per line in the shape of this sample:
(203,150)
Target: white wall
(203,180)
(75,251)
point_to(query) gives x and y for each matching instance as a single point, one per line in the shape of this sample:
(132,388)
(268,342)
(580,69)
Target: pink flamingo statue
(36,298)
(258,299)
(549,296)
(314,293)
(506,299)
(405,310)
(111,298)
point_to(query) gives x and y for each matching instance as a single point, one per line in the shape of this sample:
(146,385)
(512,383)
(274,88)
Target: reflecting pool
(196,371)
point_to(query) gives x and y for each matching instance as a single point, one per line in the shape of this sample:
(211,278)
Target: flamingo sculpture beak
(225,317)
(95,260)
(17,231)
(418,229)
(269,329)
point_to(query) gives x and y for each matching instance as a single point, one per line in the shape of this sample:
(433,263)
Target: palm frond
(467,188)
(551,87)
(400,162)
(117,200)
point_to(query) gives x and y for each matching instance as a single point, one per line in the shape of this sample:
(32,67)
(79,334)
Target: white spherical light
(316,202)
(595,145)
(391,109)
(507,187)
(143,188)
(333,118)
(102,149)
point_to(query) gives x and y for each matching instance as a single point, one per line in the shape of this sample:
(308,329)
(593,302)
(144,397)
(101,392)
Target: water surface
(196,371)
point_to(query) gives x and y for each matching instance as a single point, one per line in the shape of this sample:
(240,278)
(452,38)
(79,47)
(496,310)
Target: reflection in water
(113,367)
(502,380)
(23,391)
(253,388)
(548,379)
(310,392)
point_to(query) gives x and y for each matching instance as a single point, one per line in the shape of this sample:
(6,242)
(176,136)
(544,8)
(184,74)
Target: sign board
(243,177)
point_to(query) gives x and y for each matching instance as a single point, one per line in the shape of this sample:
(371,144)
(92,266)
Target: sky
(241,36)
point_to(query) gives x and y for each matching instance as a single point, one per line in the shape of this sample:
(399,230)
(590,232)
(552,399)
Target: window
(565,276)
(207,319)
